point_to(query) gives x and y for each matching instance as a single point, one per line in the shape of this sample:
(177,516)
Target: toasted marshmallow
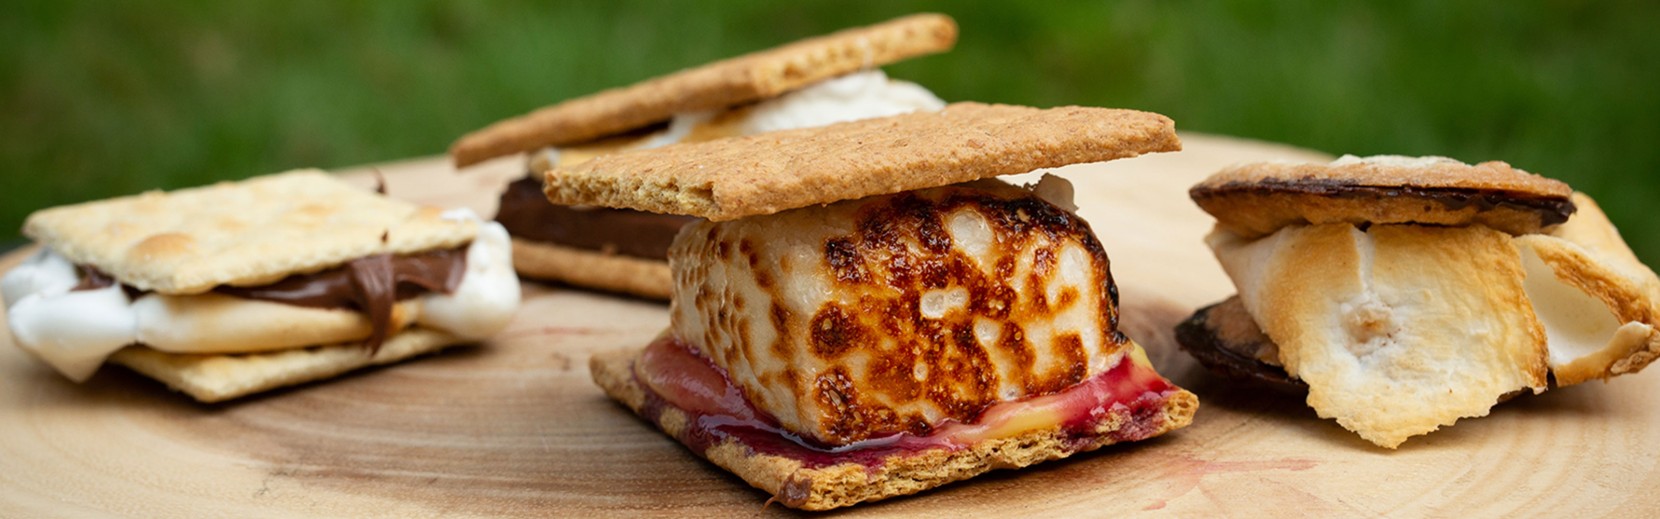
(896,313)
(1597,301)
(860,95)
(488,295)
(73,330)
(1398,330)
(1594,302)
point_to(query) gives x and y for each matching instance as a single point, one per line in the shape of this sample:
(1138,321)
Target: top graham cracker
(729,82)
(1387,171)
(732,178)
(245,233)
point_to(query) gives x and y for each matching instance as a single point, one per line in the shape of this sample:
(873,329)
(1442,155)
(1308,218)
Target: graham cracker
(846,484)
(1256,199)
(724,124)
(729,82)
(591,269)
(752,175)
(245,233)
(1396,171)
(219,377)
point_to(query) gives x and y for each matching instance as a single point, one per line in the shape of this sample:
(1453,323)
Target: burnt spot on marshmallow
(747,249)
(780,320)
(843,260)
(834,331)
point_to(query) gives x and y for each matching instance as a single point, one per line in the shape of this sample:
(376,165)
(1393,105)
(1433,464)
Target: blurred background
(107,98)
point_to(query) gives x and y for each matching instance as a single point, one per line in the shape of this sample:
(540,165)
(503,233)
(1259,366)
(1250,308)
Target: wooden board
(515,428)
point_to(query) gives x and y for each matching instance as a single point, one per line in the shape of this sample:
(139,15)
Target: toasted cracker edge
(728,82)
(1256,199)
(1436,174)
(219,377)
(245,233)
(732,178)
(585,268)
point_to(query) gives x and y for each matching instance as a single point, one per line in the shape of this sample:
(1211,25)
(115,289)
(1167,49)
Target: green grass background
(105,98)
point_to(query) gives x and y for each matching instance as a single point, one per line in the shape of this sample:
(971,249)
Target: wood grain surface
(515,428)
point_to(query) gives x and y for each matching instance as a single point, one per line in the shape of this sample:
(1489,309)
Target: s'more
(864,311)
(1398,295)
(811,82)
(240,287)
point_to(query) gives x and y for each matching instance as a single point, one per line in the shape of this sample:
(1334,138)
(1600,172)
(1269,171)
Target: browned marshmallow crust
(891,314)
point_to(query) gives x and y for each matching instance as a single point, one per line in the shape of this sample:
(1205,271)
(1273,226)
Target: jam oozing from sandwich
(371,284)
(526,213)
(1131,394)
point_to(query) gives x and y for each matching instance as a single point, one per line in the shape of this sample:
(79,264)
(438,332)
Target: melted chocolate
(1551,210)
(372,285)
(1201,338)
(398,277)
(92,278)
(526,213)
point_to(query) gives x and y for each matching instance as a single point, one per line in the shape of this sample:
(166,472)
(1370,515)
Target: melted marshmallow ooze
(76,330)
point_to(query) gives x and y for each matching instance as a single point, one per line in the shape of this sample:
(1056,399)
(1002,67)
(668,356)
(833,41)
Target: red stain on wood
(1186,473)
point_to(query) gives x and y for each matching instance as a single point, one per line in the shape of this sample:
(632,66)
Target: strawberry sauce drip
(676,377)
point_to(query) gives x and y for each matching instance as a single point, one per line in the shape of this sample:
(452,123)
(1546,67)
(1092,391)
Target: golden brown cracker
(729,82)
(752,175)
(592,269)
(245,233)
(1257,199)
(725,124)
